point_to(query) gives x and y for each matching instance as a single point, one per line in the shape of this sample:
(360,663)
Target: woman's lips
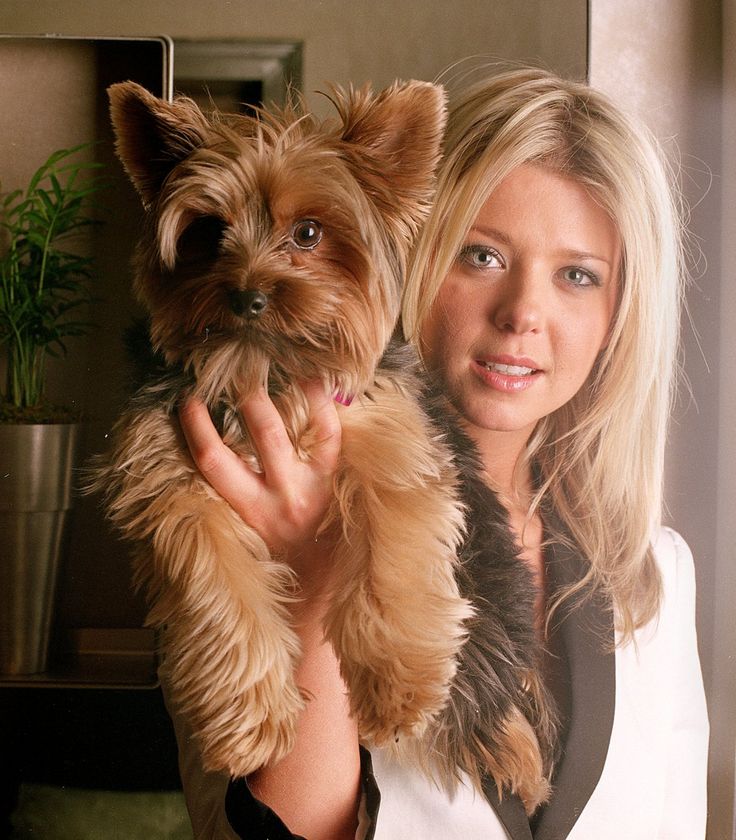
(508,375)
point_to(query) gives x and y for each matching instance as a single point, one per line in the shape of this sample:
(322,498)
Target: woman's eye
(481,256)
(306,234)
(581,277)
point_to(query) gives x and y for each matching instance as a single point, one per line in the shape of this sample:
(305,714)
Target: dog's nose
(248,303)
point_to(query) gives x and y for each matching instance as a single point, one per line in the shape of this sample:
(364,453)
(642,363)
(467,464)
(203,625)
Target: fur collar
(501,720)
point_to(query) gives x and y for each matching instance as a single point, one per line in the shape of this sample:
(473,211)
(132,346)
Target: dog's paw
(261,731)
(399,678)
(390,712)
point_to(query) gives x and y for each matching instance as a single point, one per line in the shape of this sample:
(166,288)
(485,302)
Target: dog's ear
(153,135)
(398,132)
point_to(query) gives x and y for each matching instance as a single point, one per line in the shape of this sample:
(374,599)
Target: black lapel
(509,810)
(584,632)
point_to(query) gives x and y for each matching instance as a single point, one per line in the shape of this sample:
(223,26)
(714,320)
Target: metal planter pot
(35,495)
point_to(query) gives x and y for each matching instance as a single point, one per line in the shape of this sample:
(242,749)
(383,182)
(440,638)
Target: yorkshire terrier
(273,254)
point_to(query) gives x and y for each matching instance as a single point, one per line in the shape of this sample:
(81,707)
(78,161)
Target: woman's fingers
(219,465)
(287,501)
(326,428)
(201,435)
(269,436)
(297,491)
(273,445)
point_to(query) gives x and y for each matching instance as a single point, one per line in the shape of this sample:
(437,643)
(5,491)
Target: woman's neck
(502,455)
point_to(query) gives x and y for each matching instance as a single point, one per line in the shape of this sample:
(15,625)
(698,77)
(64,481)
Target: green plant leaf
(43,285)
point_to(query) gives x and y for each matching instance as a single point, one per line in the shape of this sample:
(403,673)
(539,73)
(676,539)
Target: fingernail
(343,399)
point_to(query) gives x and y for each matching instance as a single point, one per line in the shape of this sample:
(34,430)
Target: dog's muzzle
(248,303)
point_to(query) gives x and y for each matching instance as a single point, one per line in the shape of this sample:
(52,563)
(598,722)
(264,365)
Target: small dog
(273,254)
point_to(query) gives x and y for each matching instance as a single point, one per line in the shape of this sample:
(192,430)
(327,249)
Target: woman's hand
(285,503)
(316,788)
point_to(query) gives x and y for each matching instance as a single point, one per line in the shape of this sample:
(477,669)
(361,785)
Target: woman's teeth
(508,370)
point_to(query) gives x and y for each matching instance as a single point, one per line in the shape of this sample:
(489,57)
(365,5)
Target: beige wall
(374,40)
(663,59)
(723,682)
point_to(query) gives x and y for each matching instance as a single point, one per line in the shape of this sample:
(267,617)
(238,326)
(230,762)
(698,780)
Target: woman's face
(526,307)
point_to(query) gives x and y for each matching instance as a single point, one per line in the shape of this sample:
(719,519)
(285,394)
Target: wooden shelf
(97,658)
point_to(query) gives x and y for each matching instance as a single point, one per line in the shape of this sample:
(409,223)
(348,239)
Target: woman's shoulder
(674,561)
(668,542)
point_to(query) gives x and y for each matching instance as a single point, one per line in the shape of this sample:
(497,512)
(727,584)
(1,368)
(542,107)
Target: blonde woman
(544,294)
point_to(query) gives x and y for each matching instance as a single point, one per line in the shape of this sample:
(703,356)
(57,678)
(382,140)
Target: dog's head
(275,245)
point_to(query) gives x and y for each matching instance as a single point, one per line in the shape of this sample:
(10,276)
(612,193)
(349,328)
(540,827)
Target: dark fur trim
(501,661)
(499,668)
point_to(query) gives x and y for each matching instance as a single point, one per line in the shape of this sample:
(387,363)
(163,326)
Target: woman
(544,293)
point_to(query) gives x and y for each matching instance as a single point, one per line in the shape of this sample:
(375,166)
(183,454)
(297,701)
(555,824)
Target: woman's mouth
(507,377)
(511,370)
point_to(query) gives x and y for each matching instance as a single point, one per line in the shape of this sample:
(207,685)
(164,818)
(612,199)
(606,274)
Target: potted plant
(44,287)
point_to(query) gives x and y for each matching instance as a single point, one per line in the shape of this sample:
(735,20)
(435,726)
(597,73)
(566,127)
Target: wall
(723,683)
(663,60)
(374,40)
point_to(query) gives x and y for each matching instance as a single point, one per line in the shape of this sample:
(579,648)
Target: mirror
(229,75)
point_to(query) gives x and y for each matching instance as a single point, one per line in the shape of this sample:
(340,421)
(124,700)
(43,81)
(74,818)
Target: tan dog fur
(225,197)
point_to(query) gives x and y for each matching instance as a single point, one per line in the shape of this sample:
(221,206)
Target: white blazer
(635,758)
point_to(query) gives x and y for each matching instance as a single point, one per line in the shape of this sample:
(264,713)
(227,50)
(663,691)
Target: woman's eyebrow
(583,255)
(562,253)
(491,233)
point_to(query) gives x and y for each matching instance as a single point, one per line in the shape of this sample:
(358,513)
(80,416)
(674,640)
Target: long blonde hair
(601,456)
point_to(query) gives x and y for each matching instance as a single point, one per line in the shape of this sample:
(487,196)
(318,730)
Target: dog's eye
(201,239)
(306,234)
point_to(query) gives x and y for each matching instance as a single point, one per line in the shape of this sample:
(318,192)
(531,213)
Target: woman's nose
(520,306)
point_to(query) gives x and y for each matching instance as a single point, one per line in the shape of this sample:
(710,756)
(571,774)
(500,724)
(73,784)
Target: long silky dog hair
(273,253)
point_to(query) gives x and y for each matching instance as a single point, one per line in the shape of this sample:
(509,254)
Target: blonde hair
(601,456)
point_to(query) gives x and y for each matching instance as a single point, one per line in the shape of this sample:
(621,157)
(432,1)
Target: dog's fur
(501,721)
(243,292)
